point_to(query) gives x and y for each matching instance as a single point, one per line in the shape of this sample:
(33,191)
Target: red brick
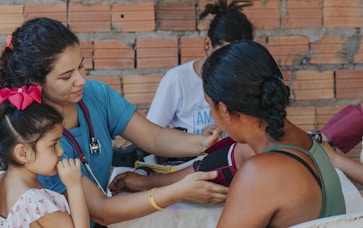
(90,18)
(303,117)
(314,85)
(349,84)
(288,50)
(264,14)
(358,58)
(11,17)
(133,17)
(343,14)
(113,54)
(140,89)
(328,50)
(113,81)
(303,14)
(191,48)
(261,40)
(87,51)
(55,11)
(176,16)
(287,77)
(355,152)
(343,3)
(156,53)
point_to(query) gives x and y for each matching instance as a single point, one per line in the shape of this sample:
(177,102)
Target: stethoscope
(94,145)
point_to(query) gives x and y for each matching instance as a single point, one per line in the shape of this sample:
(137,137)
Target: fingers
(202,190)
(69,162)
(118,183)
(69,166)
(205,175)
(208,130)
(119,178)
(217,198)
(212,139)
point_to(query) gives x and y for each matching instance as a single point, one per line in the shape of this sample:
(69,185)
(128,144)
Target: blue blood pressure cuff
(220,158)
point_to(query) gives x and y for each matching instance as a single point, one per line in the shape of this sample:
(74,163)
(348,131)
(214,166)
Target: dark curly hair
(229,23)
(35,46)
(245,77)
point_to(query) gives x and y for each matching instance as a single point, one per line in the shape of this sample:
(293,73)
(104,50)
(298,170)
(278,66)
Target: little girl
(29,145)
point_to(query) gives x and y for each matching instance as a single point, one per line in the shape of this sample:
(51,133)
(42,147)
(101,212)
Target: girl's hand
(69,171)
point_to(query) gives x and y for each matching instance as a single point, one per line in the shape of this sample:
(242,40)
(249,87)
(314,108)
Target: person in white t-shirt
(179,100)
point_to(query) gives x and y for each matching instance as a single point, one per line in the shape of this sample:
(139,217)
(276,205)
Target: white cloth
(191,215)
(179,215)
(32,205)
(352,197)
(351,220)
(179,100)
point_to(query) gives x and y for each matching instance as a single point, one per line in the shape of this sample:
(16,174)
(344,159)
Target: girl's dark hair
(245,77)
(36,45)
(229,23)
(24,126)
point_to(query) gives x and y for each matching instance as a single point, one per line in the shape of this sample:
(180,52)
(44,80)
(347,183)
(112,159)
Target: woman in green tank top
(290,179)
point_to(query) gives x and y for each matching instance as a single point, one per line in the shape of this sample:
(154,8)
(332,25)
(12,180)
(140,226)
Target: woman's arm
(133,182)
(166,142)
(353,169)
(122,207)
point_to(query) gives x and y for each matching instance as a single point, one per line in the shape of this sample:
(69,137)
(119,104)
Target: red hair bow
(21,97)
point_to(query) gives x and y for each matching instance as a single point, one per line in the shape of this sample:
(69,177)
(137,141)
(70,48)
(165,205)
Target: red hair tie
(9,44)
(21,97)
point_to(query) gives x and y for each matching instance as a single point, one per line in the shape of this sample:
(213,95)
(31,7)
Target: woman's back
(287,185)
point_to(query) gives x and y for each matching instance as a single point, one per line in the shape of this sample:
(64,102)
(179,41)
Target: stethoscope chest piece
(95,146)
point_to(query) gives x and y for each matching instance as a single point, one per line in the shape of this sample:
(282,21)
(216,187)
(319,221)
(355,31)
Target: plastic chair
(352,220)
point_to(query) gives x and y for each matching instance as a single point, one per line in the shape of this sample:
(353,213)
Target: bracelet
(152,200)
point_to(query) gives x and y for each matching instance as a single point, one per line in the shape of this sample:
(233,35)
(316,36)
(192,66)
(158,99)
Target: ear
(207,46)
(224,112)
(22,153)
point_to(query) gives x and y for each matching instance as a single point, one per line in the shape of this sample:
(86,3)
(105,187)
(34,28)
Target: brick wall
(130,44)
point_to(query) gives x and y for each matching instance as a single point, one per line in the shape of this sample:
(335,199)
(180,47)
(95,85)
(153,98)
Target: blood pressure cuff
(220,158)
(345,129)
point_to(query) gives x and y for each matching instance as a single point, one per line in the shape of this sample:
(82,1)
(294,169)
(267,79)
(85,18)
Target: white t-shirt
(179,100)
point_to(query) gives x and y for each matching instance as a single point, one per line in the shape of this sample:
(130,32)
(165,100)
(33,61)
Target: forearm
(159,180)
(78,207)
(181,144)
(194,187)
(123,207)
(166,142)
(353,169)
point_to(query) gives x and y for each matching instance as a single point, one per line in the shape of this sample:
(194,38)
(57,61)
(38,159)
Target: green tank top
(333,199)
